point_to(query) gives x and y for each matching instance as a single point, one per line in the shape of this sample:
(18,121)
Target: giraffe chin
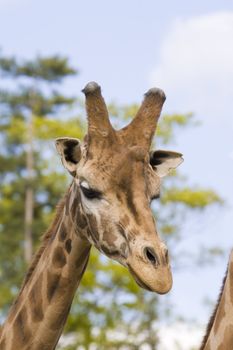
(142,284)
(160,288)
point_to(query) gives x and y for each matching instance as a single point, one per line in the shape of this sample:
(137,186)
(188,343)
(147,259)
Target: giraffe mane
(212,318)
(47,236)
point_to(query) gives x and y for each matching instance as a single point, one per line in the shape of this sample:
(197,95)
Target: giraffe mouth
(138,280)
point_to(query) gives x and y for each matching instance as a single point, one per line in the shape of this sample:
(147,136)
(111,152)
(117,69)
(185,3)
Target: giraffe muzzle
(150,267)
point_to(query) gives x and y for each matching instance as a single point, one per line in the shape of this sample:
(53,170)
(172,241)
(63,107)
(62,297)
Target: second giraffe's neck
(220,329)
(37,317)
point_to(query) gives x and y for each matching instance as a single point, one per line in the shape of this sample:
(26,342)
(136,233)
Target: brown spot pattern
(59,258)
(22,333)
(68,245)
(56,285)
(36,301)
(109,238)
(67,206)
(93,228)
(126,186)
(124,249)
(82,257)
(74,207)
(52,284)
(62,233)
(80,218)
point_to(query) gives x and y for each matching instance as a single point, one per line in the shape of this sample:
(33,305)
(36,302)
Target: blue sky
(115,43)
(129,46)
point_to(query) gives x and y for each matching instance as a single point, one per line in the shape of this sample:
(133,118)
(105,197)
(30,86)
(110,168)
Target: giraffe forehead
(112,159)
(116,154)
(108,173)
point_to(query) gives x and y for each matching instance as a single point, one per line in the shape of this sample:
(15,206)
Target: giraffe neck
(37,317)
(219,334)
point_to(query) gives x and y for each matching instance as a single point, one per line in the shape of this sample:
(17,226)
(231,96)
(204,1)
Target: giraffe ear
(70,152)
(164,161)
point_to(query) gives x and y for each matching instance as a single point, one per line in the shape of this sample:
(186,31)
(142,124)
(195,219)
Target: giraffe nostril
(166,256)
(151,256)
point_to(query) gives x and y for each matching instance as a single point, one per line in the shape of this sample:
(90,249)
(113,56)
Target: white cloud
(195,65)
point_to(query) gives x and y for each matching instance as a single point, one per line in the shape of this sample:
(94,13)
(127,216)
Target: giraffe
(115,176)
(219,333)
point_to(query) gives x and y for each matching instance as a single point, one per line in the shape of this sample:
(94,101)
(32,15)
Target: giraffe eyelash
(156,196)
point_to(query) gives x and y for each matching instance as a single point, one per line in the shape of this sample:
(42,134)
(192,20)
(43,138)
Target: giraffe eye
(89,193)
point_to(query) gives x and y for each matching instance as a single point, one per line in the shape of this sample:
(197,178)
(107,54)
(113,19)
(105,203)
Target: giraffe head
(116,177)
